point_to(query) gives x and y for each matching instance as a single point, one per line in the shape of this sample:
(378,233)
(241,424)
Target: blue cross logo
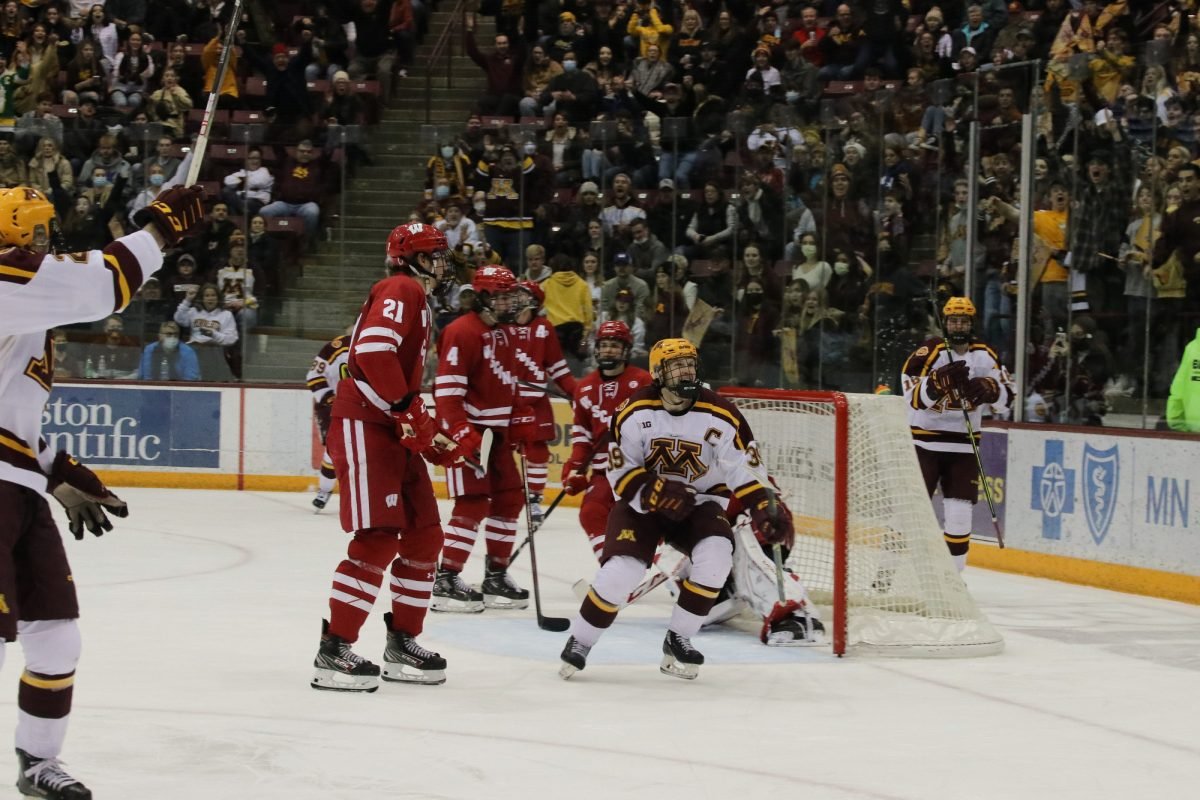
(1053,490)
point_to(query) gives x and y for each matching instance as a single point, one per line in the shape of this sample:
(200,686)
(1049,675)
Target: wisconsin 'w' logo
(676,457)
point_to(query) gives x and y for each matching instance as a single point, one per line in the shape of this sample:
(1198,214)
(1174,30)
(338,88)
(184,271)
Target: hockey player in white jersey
(679,453)
(941,379)
(39,290)
(322,380)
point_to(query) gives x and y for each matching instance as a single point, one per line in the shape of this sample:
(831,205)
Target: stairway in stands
(336,277)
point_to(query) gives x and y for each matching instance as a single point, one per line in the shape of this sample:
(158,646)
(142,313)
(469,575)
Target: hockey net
(868,546)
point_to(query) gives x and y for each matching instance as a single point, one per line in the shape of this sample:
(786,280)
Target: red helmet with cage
(535,290)
(614,329)
(409,240)
(493,279)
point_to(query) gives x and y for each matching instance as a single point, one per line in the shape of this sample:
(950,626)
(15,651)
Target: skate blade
(567,670)
(501,602)
(447,606)
(402,673)
(330,681)
(678,669)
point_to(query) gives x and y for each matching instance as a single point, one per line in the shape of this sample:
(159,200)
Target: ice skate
(574,658)
(452,594)
(500,591)
(405,661)
(45,778)
(339,668)
(796,631)
(536,513)
(320,500)
(680,659)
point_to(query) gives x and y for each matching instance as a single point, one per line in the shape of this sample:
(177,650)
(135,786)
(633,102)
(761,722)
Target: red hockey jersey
(539,358)
(387,351)
(475,374)
(596,402)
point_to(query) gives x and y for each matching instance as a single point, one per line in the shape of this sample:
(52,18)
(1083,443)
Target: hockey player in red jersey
(378,432)
(597,398)
(475,392)
(539,357)
(39,290)
(322,380)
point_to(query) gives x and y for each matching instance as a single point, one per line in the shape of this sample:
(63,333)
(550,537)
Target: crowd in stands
(786,181)
(99,106)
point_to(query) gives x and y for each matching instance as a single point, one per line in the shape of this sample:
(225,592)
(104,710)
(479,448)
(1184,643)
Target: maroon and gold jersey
(387,351)
(596,402)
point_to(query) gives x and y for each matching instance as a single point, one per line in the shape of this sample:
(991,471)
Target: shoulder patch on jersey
(924,351)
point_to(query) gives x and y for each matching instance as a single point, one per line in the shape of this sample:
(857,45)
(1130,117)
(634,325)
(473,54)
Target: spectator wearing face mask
(451,165)
(169,359)
(154,183)
(574,93)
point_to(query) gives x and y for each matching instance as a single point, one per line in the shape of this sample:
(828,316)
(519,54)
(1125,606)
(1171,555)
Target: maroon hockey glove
(84,496)
(522,430)
(176,213)
(772,520)
(673,499)
(574,478)
(414,426)
(982,390)
(950,379)
(468,440)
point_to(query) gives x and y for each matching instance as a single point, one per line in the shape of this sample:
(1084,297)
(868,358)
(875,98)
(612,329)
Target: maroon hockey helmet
(614,329)
(493,279)
(409,240)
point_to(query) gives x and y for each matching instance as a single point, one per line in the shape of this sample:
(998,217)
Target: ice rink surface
(201,616)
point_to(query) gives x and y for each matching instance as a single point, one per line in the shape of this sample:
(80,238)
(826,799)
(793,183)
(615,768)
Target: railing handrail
(444,43)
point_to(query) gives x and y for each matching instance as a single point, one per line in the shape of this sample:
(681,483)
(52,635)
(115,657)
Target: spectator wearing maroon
(845,47)
(403,25)
(287,91)
(503,68)
(302,183)
(375,54)
(847,222)
(211,247)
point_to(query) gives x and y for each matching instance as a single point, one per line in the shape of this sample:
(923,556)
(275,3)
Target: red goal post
(868,546)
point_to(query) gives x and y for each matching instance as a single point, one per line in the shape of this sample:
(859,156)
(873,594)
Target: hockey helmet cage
(22,211)
(493,279)
(614,330)
(407,241)
(669,358)
(535,291)
(958,307)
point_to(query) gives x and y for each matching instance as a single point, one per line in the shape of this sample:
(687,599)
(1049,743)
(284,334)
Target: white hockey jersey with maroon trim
(475,379)
(596,402)
(38,293)
(328,367)
(539,358)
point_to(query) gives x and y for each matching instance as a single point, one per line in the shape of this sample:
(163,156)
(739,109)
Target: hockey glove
(574,478)
(442,453)
(523,427)
(982,390)
(414,426)
(949,380)
(84,496)
(673,499)
(176,213)
(324,413)
(772,520)
(467,439)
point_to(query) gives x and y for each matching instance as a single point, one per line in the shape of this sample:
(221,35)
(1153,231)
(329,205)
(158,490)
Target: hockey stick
(484,456)
(210,109)
(549,389)
(535,528)
(555,624)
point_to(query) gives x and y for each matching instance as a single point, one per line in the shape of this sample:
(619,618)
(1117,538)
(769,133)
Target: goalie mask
(613,345)
(407,244)
(27,219)
(958,320)
(675,365)
(495,294)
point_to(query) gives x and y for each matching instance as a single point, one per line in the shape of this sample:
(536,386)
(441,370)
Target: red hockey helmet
(494,279)
(535,291)
(409,240)
(614,329)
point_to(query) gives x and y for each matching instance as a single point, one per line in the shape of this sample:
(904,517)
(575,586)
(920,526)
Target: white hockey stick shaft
(210,109)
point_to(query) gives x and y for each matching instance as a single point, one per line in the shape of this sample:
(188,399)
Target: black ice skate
(45,778)
(405,661)
(680,659)
(536,514)
(796,631)
(500,591)
(451,593)
(320,500)
(574,658)
(339,668)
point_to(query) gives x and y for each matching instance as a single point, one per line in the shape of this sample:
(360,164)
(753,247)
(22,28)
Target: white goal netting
(903,595)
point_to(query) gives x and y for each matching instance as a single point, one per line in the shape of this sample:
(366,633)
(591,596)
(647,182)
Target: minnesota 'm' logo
(3,605)
(626,535)
(676,457)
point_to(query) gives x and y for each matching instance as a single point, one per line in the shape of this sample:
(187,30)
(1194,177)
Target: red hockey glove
(673,499)
(523,427)
(414,426)
(467,439)
(574,478)
(84,496)
(950,379)
(771,519)
(982,390)
(176,213)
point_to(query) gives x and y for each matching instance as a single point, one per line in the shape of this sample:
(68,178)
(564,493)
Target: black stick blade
(553,624)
